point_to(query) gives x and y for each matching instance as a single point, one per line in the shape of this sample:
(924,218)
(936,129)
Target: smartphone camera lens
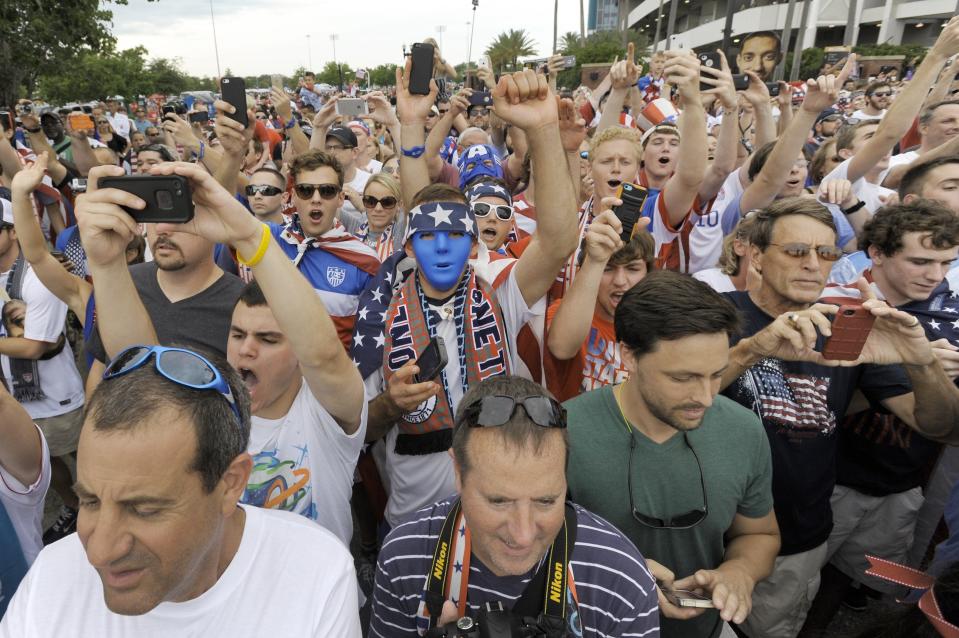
(848,312)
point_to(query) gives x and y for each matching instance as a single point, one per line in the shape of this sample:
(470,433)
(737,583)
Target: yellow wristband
(260,251)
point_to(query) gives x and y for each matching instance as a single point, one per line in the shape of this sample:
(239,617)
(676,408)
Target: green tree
(38,38)
(165,76)
(383,75)
(332,74)
(93,76)
(599,47)
(508,47)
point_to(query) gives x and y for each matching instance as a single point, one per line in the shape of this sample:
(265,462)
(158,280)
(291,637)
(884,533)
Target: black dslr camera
(492,621)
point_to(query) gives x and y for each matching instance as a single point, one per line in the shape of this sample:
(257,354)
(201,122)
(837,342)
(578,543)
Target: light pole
(309,51)
(440,30)
(216,49)
(333,38)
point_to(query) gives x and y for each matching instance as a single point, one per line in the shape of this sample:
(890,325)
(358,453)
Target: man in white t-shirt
(119,120)
(938,134)
(342,144)
(307,397)
(163,547)
(24,479)
(478,320)
(36,361)
(878,99)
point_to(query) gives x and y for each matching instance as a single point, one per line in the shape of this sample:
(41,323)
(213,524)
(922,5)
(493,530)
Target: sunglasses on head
(503,212)
(183,367)
(387,202)
(496,410)
(800,250)
(264,189)
(305,191)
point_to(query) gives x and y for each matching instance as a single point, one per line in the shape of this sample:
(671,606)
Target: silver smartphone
(351,107)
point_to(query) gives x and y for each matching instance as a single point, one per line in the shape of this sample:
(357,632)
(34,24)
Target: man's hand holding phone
(234,138)
(405,393)
(665,581)
(105,227)
(729,586)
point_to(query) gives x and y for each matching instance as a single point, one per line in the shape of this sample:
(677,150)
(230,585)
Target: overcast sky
(270,36)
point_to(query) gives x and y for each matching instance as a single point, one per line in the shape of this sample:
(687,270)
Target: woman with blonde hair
(384,225)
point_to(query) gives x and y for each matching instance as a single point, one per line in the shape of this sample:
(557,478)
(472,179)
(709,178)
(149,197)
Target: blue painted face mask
(477,161)
(441,256)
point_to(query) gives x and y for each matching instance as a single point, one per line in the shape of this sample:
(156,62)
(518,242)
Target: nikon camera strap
(545,598)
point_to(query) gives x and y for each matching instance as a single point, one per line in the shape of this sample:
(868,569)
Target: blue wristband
(290,124)
(416,151)
(199,156)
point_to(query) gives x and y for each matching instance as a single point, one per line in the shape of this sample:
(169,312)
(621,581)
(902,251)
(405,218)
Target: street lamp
(440,29)
(333,38)
(309,51)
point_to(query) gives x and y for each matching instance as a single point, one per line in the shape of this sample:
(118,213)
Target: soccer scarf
(383,245)
(481,345)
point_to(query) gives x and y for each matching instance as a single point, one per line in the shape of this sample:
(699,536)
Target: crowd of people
(428,368)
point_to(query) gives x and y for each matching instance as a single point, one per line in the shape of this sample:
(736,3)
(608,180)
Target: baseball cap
(360,125)
(7,211)
(827,114)
(344,135)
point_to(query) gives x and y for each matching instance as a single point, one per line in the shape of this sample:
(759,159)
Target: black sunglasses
(496,410)
(796,249)
(327,191)
(682,521)
(482,209)
(387,202)
(264,189)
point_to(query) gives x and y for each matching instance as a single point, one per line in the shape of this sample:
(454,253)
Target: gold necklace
(617,394)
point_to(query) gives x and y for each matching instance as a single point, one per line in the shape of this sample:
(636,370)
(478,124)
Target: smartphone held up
(168,198)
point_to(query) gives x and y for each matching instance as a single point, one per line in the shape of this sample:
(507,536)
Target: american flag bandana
(435,216)
(477,161)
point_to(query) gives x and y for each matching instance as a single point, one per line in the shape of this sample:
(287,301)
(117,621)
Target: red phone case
(850,329)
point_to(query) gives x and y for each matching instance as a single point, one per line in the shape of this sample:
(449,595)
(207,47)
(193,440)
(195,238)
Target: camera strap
(545,598)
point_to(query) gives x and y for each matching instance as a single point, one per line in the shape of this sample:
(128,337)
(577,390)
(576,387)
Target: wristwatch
(854,208)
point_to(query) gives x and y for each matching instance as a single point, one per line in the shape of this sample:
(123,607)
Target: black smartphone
(7,120)
(773,88)
(421,71)
(432,360)
(234,92)
(710,61)
(481,98)
(633,197)
(199,117)
(740,81)
(168,197)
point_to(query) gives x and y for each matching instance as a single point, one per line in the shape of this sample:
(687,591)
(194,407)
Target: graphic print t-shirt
(800,405)
(598,363)
(304,462)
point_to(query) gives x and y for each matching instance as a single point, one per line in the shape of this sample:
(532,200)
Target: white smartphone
(687,598)
(351,107)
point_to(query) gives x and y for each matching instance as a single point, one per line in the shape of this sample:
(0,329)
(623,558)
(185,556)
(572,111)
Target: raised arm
(234,141)
(70,289)
(39,144)
(820,95)
(411,111)
(284,108)
(523,99)
(757,95)
(623,75)
(105,231)
(322,122)
(682,70)
(21,451)
(459,103)
(328,370)
(724,162)
(906,106)
(573,318)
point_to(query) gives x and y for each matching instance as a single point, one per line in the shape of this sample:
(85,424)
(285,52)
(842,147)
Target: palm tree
(509,47)
(569,42)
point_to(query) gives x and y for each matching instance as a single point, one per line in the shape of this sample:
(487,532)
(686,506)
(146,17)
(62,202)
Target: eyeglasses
(496,410)
(387,202)
(682,521)
(305,191)
(482,209)
(476,112)
(183,367)
(800,250)
(884,94)
(332,147)
(263,189)
(444,111)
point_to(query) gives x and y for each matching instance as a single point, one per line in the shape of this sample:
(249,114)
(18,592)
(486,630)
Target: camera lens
(848,312)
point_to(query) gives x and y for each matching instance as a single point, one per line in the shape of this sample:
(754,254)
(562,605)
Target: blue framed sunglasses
(183,367)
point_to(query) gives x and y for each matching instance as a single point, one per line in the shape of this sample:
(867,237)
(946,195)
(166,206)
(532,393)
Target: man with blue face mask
(433,290)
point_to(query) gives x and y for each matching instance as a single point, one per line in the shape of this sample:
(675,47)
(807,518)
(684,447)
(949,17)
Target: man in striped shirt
(510,449)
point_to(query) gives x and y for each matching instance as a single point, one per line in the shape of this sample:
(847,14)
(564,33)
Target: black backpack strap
(545,596)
